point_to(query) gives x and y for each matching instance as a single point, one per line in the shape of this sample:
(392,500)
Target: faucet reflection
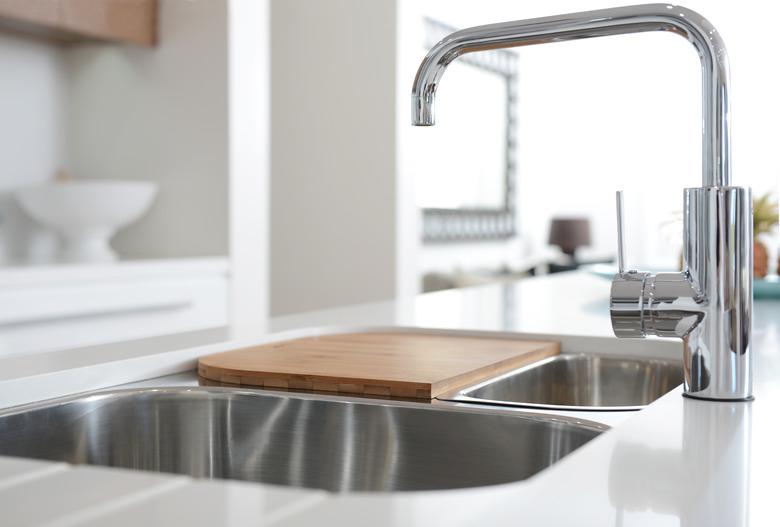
(712,464)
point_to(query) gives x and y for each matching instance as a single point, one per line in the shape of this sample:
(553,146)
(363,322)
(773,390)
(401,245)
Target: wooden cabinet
(129,21)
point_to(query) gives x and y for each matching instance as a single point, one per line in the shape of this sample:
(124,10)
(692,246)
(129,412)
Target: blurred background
(174,165)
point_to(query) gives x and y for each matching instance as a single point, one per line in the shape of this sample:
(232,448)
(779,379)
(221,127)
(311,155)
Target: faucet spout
(716,162)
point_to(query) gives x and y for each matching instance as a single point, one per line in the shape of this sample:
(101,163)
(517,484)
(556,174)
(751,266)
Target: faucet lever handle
(621,228)
(626,298)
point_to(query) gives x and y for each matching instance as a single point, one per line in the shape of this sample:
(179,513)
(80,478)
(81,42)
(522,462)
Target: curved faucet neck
(716,147)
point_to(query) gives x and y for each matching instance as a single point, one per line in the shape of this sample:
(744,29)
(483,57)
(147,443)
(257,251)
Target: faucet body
(708,304)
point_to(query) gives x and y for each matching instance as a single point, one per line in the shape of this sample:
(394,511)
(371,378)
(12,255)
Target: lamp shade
(570,233)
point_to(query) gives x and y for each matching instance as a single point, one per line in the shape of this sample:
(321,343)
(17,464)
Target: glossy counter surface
(680,462)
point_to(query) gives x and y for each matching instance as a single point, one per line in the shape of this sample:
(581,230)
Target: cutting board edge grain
(301,381)
(448,362)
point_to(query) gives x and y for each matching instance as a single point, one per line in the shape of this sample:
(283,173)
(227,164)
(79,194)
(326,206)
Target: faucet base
(741,400)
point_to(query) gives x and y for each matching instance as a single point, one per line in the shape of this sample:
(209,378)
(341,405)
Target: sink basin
(293,440)
(579,382)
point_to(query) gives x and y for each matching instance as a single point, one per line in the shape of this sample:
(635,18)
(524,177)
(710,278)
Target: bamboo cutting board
(385,364)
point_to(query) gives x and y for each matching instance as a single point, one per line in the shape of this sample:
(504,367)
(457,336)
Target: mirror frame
(478,223)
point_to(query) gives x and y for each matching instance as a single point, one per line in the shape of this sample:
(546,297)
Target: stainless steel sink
(302,441)
(579,382)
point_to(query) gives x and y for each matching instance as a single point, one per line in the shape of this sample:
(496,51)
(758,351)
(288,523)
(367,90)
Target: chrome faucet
(709,304)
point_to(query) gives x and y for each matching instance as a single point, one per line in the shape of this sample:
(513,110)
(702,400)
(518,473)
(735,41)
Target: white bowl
(87,213)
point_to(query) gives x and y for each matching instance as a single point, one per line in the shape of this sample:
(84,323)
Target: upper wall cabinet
(129,21)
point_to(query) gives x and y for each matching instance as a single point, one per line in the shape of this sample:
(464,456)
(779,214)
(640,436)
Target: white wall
(249,64)
(622,112)
(333,190)
(159,114)
(31,133)
(609,114)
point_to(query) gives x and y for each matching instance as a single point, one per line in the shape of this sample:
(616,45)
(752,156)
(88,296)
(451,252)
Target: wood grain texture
(384,364)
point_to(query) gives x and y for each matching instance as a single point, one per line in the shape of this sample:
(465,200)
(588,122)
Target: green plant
(765,214)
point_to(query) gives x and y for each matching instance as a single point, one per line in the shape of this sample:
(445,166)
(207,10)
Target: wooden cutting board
(385,364)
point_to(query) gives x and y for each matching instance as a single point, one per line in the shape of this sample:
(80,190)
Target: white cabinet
(53,308)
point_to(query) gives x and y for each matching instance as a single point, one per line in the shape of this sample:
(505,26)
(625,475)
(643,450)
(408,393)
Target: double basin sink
(337,443)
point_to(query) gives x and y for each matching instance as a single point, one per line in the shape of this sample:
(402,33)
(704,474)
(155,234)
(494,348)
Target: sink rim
(461,395)
(434,405)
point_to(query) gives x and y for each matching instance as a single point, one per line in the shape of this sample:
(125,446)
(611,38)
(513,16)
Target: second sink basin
(579,382)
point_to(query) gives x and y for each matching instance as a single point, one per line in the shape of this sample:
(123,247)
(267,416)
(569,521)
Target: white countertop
(679,462)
